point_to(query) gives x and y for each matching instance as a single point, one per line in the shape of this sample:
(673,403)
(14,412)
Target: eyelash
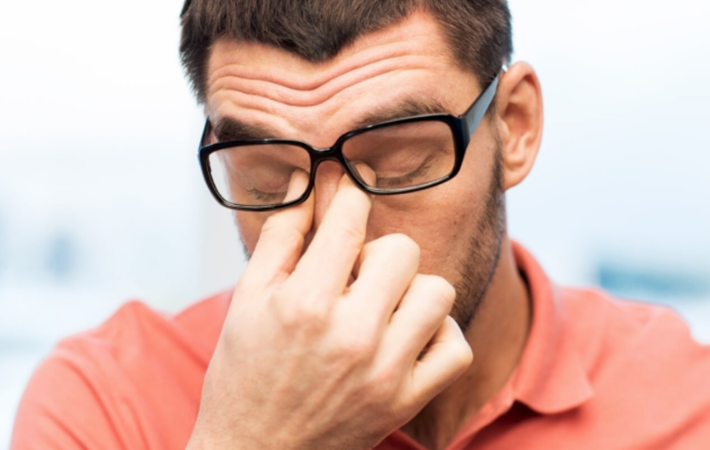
(409,176)
(261,195)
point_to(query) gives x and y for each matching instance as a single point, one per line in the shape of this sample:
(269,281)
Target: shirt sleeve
(61,410)
(133,383)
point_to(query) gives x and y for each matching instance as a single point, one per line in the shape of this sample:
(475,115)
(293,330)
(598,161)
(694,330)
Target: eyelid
(424,165)
(263,195)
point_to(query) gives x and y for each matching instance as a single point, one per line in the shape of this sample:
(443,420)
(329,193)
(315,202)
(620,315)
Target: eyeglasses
(406,155)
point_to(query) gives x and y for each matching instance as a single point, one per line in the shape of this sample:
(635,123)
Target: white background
(101,199)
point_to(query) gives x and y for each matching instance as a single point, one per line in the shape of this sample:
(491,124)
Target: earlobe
(520,122)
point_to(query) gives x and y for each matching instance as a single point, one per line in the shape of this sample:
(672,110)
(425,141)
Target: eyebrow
(409,107)
(228,129)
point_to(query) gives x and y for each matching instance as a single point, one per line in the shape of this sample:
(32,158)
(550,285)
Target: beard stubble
(480,261)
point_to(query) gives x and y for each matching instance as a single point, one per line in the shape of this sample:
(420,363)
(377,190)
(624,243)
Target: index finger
(281,239)
(339,240)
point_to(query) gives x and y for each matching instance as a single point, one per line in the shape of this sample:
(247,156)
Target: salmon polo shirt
(596,373)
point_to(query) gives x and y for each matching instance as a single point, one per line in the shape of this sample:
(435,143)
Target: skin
(344,292)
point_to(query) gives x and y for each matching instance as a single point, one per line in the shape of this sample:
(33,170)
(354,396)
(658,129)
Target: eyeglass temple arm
(475,113)
(205,133)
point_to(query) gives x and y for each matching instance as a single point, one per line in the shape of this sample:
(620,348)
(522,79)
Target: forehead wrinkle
(315,74)
(263,123)
(262,85)
(254,118)
(254,60)
(409,102)
(282,94)
(253,109)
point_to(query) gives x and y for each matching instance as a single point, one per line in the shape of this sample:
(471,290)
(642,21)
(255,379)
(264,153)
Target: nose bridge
(333,153)
(329,170)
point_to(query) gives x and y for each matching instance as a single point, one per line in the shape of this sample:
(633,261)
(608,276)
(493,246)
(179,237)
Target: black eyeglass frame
(462,128)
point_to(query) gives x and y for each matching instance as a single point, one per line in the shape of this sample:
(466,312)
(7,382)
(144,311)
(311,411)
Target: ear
(520,121)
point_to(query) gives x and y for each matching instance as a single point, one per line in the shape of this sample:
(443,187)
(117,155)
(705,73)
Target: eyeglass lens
(402,156)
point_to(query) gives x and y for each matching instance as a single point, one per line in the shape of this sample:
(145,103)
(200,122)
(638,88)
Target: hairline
(420,7)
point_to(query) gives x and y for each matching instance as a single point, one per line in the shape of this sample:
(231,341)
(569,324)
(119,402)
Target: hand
(327,350)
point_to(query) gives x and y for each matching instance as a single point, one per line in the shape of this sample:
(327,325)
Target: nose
(328,175)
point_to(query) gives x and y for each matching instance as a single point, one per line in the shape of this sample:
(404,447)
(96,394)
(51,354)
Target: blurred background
(101,199)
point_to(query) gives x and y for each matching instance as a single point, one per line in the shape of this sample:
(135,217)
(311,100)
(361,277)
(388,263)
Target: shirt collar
(550,377)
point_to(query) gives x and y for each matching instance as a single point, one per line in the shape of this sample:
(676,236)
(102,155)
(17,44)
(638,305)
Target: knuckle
(287,237)
(440,290)
(404,244)
(354,348)
(385,382)
(462,355)
(351,233)
(461,352)
(396,245)
(297,312)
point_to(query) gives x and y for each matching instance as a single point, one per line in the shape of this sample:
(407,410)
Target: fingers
(281,239)
(423,337)
(446,359)
(419,315)
(337,243)
(386,267)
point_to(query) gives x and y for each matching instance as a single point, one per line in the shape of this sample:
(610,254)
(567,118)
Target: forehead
(270,88)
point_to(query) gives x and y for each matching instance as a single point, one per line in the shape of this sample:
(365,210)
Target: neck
(497,337)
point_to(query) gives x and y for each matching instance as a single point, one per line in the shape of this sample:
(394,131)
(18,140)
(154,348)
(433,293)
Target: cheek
(250,224)
(431,219)
(442,220)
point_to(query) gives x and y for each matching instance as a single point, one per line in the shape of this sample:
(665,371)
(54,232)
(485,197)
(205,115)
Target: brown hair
(478,31)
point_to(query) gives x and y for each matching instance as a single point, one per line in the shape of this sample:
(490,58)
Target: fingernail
(297,185)
(366,174)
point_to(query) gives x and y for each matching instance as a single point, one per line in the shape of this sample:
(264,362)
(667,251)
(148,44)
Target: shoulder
(649,375)
(607,328)
(120,384)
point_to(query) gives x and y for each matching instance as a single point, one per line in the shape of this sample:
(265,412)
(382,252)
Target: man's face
(459,224)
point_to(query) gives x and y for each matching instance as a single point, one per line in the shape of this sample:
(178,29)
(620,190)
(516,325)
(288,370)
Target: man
(365,148)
